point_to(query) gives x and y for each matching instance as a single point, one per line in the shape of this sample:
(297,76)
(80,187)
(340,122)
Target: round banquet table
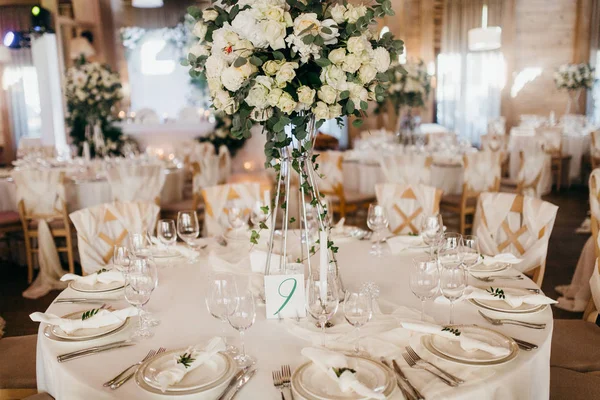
(179,303)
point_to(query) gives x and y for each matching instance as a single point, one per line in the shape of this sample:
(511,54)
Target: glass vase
(573,102)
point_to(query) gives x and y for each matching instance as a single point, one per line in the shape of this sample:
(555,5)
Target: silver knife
(407,394)
(93,350)
(82,300)
(233,382)
(240,384)
(405,379)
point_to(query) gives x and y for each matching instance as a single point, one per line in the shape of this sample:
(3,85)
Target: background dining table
(179,303)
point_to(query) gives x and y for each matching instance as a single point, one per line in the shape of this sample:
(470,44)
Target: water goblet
(358,310)
(257,214)
(377,221)
(241,316)
(453,282)
(139,243)
(141,281)
(424,279)
(221,291)
(322,301)
(121,258)
(166,232)
(432,230)
(188,229)
(470,249)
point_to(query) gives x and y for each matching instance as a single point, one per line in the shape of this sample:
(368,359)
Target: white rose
(334,77)
(327,94)
(337,13)
(271,67)
(337,56)
(307,24)
(286,73)
(321,111)
(357,94)
(274,13)
(214,84)
(329,38)
(233,78)
(367,73)
(274,33)
(209,15)
(259,115)
(199,50)
(200,30)
(215,66)
(353,13)
(274,96)
(306,95)
(257,96)
(381,59)
(286,103)
(372,92)
(224,102)
(247,26)
(335,111)
(224,40)
(351,63)
(356,44)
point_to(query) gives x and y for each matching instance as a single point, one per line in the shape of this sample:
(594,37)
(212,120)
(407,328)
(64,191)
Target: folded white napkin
(512,300)
(100,319)
(338,229)
(502,258)
(402,242)
(173,371)
(101,276)
(467,343)
(327,360)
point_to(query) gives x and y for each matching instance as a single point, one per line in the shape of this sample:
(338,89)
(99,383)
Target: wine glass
(241,315)
(236,215)
(141,279)
(166,232)
(432,230)
(470,250)
(257,215)
(358,310)
(121,258)
(424,279)
(139,243)
(453,282)
(451,240)
(377,221)
(322,301)
(188,229)
(222,289)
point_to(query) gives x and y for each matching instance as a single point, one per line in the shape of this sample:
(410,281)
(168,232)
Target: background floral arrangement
(222,135)
(409,85)
(92,90)
(178,35)
(282,62)
(574,76)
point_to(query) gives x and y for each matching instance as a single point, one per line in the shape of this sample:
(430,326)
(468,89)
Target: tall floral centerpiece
(573,78)
(92,90)
(289,65)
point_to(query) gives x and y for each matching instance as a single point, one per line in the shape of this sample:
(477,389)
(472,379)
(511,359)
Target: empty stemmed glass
(322,301)
(241,316)
(166,232)
(424,279)
(470,250)
(237,216)
(221,291)
(188,229)
(258,215)
(358,310)
(377,221)
(453,282)
(141,279)
(121,258)
(139,243)
(432,230)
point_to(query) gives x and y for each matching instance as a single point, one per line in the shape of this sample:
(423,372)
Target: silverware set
(94,350)
(496,321)
(498,277)
(70,300)
(124,376)
(282,380)
(411,393)
(237,382)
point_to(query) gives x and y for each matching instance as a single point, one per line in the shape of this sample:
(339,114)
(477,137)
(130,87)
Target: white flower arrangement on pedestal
(574,76)
(410,85)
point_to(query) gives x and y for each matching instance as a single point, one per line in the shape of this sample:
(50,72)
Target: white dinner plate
(203,378)
(162,253)
(97,287)
(452,351)
(310,383)
(496,267)
(503,307)
(84,334)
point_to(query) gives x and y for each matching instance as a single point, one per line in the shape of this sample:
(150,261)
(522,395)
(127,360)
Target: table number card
(285,296)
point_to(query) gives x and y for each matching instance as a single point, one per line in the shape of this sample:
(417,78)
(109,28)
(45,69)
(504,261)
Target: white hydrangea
(381,59)
(338,13)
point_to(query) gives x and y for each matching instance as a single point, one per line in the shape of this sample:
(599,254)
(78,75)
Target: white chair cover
(130,181)
(595,143)
(224,164)
(206,172)
(188,115)
(550,138)
(595,285)
(576,295)
(43,194)
(409,168)
(524,233)
(441,139)
(330,178)
(146,116)
(482,171)
(535,174)
(405,204)
(497,126)
(101,228)
(216,198)
(532,120)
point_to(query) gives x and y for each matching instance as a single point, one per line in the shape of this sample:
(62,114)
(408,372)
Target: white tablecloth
(179,303)
(91,193)
(362,176)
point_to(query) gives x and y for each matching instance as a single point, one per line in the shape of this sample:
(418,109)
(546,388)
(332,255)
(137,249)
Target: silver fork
(286,376)
(151,353)
(411,363)
(129,376)
(496,321)
(278,383)
(499,277)
(413,354)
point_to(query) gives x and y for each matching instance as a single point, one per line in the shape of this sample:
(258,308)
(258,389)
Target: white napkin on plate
(502,258)
(513,300)
(402,242)
(327,360)
(100,276)
(467,343)
(172,372)
(100,319)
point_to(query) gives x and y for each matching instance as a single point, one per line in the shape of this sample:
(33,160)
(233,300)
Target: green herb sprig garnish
(453,331)
(186,359)
(101,270)
(89,313)
(412,234)
(499,293)
(340,371)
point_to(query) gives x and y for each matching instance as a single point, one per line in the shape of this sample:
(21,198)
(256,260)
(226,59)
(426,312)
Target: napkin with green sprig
(90,319)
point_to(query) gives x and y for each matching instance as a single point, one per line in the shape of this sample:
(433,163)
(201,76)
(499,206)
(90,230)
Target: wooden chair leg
(462,222)
(70,254)
(29,252)
(559,177)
